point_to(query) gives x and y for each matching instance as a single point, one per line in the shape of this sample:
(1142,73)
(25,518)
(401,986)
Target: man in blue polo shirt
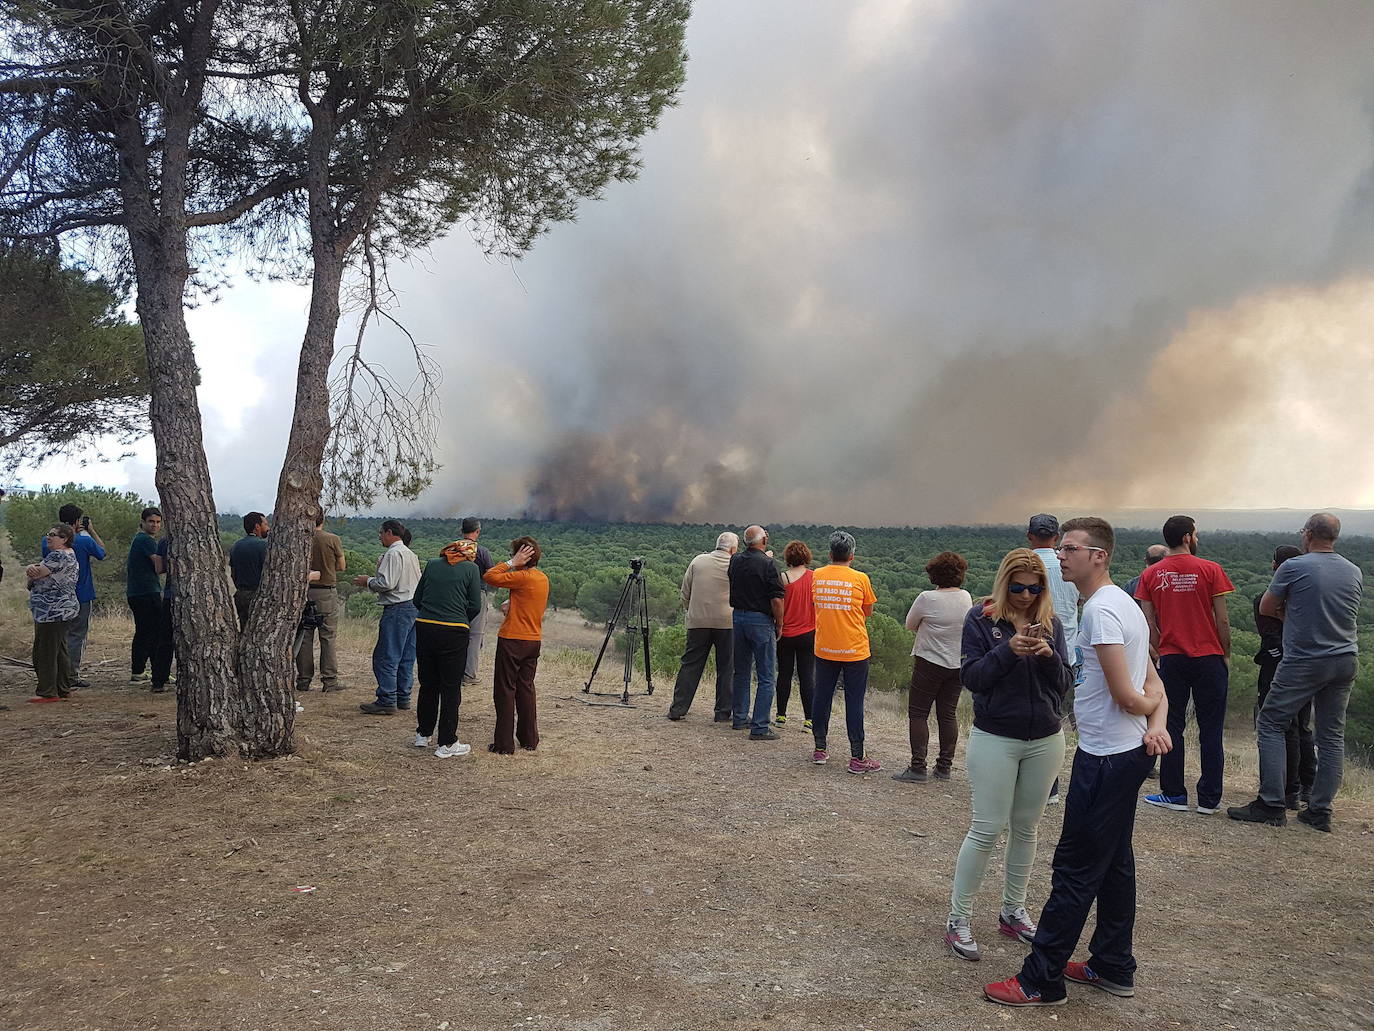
(87,545)
(246,559)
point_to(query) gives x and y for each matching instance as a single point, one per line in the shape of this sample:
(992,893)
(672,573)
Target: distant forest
(587,564)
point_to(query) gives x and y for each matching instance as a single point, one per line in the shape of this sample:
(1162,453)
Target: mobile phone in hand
(1035,630)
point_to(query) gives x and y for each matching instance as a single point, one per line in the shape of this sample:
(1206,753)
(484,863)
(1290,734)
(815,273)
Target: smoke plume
(917,262)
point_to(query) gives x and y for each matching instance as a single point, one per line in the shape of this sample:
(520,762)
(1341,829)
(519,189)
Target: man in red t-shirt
(1184,600)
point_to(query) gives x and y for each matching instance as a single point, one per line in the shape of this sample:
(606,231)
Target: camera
(637,564)
(86,523)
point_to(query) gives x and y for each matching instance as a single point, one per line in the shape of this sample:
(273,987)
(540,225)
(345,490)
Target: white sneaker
(421,741)
(453,750)
(959,938)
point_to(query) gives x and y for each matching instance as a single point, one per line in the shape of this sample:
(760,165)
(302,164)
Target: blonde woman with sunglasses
(1016,665)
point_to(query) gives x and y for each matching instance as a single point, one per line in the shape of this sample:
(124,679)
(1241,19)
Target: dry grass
(633,873)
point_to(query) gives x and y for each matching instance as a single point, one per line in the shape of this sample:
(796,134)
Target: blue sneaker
(1178,803)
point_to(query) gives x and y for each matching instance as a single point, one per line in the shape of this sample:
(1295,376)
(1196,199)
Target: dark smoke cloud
(901,262)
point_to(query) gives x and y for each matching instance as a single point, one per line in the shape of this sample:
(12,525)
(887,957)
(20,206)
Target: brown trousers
(50,660)
(937,685)
(513,692)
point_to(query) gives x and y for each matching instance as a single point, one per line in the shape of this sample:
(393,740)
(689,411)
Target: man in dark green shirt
(144,592)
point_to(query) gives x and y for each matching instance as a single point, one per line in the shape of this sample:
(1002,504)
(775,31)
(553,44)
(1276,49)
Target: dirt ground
(633,873)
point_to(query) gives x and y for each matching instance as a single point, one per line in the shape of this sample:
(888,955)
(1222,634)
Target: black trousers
(165,647)
(799,652)
(700,641)
(441,652)
(1093,862)
(147,610)
(1299,740)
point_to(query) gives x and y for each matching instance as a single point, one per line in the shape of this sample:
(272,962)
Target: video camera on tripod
(632,613)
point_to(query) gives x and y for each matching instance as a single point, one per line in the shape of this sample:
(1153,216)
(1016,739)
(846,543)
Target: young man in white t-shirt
(1121,711)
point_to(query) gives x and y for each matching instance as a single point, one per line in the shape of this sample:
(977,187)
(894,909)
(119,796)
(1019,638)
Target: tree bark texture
(225,703)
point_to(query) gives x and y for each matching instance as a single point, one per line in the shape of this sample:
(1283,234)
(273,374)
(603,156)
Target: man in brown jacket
(706,593)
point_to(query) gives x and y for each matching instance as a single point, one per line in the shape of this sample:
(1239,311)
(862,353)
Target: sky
(907,262)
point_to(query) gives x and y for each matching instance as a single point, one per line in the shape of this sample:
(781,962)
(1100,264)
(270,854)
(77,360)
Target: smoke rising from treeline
(918,262)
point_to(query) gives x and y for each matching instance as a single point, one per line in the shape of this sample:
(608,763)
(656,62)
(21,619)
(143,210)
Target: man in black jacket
(1299,739)
(756,593)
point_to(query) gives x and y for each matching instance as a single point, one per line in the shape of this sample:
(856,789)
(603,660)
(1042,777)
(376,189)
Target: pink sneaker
(1016,923)
(864,766)
(820,757)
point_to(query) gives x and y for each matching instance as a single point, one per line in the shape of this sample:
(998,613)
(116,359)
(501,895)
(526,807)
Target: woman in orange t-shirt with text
(843,599)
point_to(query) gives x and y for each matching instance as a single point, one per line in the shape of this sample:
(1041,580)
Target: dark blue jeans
(1204,680)
(828,673)
(1093,862)
(393,659)
(755,646)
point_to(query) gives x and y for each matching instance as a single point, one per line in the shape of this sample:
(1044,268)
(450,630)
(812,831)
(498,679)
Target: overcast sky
(910,262)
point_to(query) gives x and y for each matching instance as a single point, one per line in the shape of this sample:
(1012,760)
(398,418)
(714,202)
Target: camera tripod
(632,613)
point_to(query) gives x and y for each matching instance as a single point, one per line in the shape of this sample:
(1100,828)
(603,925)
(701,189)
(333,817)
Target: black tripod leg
(610,632)
(644,628)
(635,584)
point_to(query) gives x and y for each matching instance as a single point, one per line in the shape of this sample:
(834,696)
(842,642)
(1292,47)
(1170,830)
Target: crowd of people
(431,620)
(1055,627)
(1056,640)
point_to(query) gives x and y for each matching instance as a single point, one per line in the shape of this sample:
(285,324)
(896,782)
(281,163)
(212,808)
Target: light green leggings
(1011,780)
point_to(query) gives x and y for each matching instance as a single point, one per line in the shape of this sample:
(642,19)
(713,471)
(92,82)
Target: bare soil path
(633,873)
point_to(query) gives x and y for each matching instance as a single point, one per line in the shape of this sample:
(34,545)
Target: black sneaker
(675,718)
(1258,812)
(373,709)
(1317,819)
(1290,802)
(940,774)
(911,775)
(767,735)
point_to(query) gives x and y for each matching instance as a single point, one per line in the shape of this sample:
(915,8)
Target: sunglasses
(1022,588)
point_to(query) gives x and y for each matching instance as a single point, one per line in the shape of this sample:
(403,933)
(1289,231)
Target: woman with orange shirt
(517,647)
(843,599)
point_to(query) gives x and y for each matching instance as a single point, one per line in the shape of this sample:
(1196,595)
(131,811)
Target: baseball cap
(1043,525)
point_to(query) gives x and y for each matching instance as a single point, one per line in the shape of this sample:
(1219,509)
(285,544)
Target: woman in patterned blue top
(52,599)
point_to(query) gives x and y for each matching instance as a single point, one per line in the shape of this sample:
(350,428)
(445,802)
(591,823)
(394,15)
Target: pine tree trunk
(266,667)
(205,623)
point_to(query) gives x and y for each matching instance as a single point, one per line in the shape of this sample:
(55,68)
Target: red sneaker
(820,757)
(39,699)
(862,766)
(1010,993)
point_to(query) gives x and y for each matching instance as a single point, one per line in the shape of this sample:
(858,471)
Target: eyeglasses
(56,534)
(1022,588)
(1069,549)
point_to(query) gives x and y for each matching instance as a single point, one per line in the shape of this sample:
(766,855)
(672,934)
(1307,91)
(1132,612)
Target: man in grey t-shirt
(1317,595)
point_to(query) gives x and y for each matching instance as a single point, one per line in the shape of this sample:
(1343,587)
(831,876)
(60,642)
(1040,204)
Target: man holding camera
(87,545)
(472,530)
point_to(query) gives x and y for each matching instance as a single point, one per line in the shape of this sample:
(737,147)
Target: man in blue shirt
(246,560)
(143,589)
(87,545)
